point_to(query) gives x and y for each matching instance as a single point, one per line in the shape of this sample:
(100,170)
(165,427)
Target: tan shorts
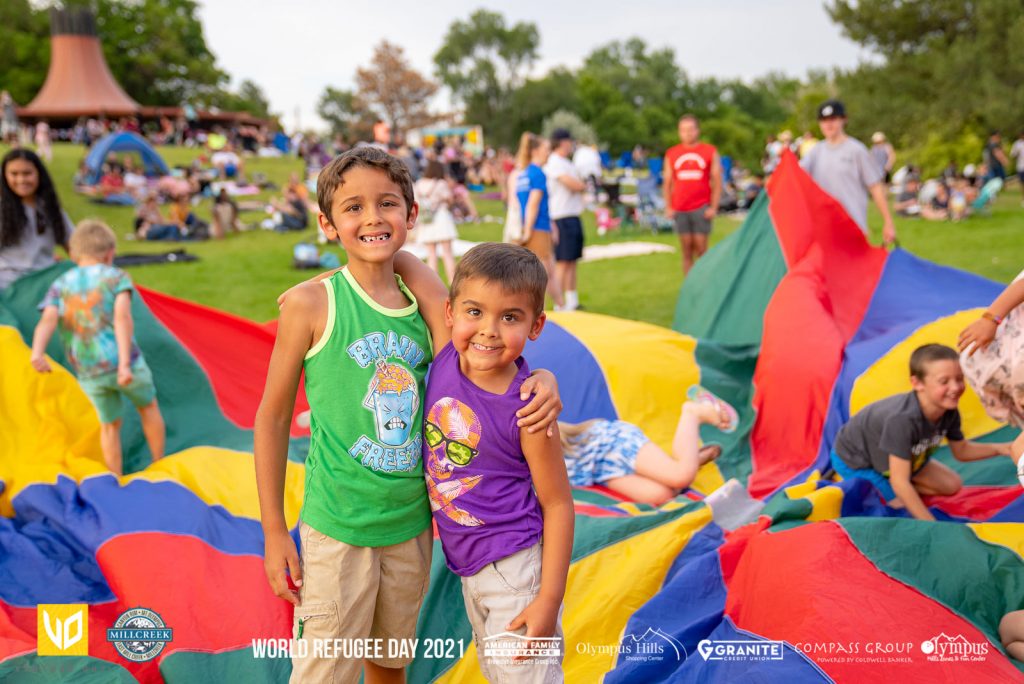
(540,244)
(357,592)
(494,597)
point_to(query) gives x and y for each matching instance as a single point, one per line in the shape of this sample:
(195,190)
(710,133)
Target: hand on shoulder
(305,294)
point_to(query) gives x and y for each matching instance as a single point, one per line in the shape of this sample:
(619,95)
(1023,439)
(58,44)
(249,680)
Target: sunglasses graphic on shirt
(457,452)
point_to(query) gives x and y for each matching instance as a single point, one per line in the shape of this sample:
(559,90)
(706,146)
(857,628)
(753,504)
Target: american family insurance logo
(740,649)
(63,629)
(951,649)
(508,646)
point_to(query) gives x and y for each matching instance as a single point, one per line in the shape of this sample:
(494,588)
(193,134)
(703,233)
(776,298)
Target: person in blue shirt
(532,192)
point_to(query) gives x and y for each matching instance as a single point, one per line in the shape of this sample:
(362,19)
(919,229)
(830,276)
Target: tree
(346,114)
(570,121)
(24,49)
(156,50)
(948,66)
(249,98)
(393,87)
(483,61)
(632,94)
(644,78)
(537,99)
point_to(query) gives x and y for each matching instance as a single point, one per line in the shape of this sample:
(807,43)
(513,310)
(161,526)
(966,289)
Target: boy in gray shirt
(843,167)
(890,442)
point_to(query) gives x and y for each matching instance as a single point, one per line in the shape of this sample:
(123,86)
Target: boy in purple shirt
(499,494)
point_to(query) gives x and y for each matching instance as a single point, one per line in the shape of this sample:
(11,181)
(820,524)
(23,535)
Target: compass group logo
(63,629)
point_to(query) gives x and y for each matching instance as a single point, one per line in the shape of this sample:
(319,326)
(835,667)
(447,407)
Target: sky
(294,50)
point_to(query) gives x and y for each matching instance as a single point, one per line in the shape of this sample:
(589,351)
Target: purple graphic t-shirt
(478,481)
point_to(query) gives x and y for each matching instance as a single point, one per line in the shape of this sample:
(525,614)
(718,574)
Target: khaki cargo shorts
(352,593)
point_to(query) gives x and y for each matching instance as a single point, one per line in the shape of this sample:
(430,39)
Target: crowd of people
(475,331)
(953,195)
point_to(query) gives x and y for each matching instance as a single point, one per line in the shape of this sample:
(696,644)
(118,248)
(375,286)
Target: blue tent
(123,142)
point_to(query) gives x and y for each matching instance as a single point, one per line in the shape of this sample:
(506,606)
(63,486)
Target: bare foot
(715,411)
(705,411)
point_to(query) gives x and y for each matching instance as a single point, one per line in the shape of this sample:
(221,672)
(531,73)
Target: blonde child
(90,305)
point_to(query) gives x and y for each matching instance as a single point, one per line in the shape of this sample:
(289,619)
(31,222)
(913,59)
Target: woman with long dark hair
(32,222)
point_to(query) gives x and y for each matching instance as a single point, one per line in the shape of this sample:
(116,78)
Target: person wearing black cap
(842,167)
(565,192)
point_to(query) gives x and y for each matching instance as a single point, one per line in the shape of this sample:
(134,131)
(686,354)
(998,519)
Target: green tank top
(365,383)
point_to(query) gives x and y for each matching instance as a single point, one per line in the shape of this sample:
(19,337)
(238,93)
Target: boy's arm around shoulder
(543,410)
(301,315)
(430,294)
(547,470)
(315,279)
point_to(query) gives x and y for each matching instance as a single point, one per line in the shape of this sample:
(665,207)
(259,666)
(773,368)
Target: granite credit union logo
(62,629)
(139,634)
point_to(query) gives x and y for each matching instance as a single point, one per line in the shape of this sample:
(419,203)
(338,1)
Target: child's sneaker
(698,393)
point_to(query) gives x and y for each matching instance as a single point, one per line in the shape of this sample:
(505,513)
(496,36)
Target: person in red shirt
(692,189)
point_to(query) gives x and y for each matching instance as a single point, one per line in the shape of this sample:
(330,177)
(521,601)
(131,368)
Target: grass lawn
(245,272)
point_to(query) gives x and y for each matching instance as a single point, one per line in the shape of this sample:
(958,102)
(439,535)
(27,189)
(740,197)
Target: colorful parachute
(794,319)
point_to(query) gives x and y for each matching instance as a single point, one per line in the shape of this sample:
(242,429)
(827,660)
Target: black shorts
(570,239)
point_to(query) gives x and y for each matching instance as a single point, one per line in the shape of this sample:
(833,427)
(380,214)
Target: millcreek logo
(945,648)
(63,629)
(740,649)
(139,634)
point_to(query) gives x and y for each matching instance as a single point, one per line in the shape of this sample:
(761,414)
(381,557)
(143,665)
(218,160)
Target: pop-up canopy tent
(124,142)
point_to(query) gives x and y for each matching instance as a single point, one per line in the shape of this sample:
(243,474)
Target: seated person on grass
(188,223)
(907,203)
(150,224)
(890,442)
(294,214)
(938,208)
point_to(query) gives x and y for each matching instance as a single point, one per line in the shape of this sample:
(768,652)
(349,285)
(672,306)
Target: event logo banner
(63,629)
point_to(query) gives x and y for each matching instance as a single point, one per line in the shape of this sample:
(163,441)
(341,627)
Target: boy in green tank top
(364,342)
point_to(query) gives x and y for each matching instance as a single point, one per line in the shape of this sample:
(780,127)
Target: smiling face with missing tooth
(369,215)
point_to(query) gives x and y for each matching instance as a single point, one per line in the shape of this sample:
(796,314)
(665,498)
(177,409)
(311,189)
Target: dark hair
(928,353)
(515,269)
(12,212)
(435,169)
(332,176)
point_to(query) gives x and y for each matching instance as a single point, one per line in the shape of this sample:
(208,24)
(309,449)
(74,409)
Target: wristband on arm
(992,317)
